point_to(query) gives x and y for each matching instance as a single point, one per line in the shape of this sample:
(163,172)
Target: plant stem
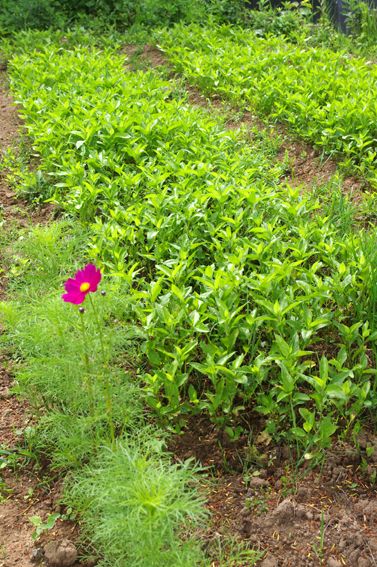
(105,371)
(88,379)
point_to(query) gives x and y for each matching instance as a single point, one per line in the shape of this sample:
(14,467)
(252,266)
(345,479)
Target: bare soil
(297,516)
(23,493)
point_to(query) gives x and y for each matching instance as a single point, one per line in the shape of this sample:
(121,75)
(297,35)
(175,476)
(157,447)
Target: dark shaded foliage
(42,14)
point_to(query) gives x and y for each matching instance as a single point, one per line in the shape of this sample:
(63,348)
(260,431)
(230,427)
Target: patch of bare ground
(306,167)
(9,128)
(302,518)
(22,493)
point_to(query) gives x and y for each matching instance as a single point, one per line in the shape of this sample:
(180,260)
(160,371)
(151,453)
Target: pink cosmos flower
(84,282)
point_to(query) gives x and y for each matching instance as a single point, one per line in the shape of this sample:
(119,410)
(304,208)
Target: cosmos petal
(75,297)
(71,285)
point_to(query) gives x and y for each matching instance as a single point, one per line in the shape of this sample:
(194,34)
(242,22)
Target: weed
(41,526)
(257,505)
(319,548)
(229,551)
(5,490)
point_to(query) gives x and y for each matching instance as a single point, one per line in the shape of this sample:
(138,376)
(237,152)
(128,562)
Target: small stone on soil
(367,508)
(257,482)
(363,562)
(354,556)
(302,494)
(5,394)
(270,561)
(60,553)
(332,562)
(37,555)
(301,513)
(285,511)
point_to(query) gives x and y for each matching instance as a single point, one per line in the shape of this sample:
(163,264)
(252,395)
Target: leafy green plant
(288,82)
(41,526)
(134,491)
(244,296)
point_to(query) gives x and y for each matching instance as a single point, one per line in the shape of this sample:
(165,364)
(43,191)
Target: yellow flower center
(84,287)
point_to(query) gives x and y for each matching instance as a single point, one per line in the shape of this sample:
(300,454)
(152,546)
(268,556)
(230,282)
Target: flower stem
(88,379)
(105,371)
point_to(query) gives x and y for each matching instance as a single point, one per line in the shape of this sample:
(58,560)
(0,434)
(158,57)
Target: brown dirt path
(22,493)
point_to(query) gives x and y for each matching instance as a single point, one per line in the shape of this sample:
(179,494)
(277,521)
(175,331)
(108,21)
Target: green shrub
(148,13)
(361,19)
(154,13)
(23,14)
(227,11)
(41,14)
(288,20)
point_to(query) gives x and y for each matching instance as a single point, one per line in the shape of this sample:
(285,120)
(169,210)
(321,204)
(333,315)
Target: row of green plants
(287,18)
(16,15)
(325,96)
(89,423)
(316,25)
(244,296)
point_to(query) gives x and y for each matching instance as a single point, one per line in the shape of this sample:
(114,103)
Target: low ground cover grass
(244,296)
(325,96)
